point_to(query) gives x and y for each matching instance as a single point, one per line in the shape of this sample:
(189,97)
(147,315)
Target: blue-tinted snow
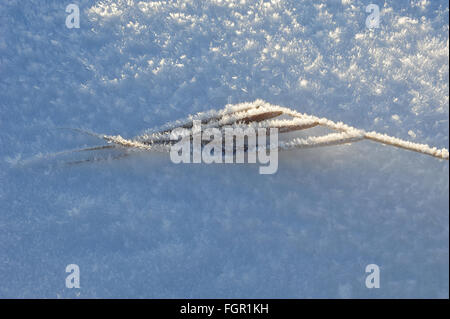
(144,227)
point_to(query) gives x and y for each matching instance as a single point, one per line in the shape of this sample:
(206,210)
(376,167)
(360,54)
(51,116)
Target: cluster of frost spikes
(260,114)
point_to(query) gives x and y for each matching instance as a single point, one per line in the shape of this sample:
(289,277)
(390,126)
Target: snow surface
(145,227)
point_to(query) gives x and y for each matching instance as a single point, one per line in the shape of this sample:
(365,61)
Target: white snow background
(144,227)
